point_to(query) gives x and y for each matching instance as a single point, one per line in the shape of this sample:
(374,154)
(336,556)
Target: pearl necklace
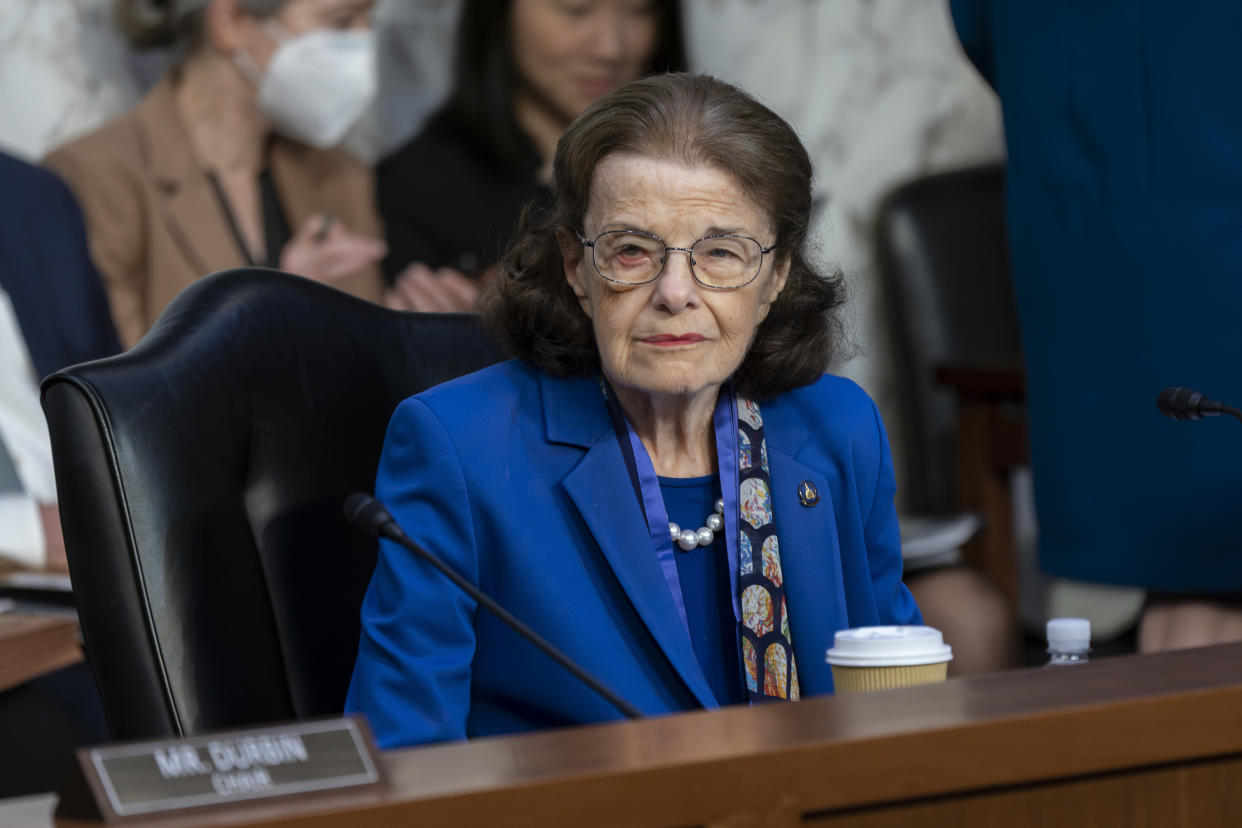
(689,538)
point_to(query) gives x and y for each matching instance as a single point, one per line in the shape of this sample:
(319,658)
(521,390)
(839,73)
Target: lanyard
(647,487)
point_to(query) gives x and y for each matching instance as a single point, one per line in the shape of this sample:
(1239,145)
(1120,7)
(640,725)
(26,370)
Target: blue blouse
(704,575)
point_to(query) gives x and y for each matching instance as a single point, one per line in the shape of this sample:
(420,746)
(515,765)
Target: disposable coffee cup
(881,658)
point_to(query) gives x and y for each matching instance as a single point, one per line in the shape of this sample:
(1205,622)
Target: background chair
(943,260)
(201,476)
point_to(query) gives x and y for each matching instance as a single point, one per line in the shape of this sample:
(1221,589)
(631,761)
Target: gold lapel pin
(807,493)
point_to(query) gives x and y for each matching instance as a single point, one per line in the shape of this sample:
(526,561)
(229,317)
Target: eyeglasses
(635,257)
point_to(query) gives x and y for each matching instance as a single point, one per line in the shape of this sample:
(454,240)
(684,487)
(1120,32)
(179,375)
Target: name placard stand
(118,783)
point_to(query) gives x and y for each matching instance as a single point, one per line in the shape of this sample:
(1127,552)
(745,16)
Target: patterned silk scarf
(767,646)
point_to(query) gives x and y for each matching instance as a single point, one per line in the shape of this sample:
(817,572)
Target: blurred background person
(1124,203)
(524,69)
(230,159)
(52,314)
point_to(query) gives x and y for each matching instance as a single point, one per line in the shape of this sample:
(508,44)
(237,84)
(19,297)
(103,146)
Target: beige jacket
(155,223)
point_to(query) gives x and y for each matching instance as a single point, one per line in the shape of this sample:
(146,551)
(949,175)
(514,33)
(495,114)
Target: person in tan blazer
(228,161)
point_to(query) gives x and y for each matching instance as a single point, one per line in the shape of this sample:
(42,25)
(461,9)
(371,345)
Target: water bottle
(1069,641)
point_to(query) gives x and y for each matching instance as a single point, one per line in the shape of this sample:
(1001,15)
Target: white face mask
(316,84)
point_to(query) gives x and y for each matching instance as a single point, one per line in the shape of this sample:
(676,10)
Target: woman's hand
(419,288)
(324,250)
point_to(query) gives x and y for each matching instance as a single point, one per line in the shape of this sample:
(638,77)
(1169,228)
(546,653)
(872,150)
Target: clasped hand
(325,250)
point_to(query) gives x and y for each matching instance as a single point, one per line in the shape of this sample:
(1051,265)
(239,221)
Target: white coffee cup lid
(888,647)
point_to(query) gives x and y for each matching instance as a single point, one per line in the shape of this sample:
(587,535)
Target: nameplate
(227,768)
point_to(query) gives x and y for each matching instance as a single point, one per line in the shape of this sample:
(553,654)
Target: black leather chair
(943,261)
(201,477)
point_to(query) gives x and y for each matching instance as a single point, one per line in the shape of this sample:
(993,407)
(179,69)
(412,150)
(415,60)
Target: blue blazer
(518,481)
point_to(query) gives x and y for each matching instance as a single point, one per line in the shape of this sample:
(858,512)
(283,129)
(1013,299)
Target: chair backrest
(201,477)
(943,261)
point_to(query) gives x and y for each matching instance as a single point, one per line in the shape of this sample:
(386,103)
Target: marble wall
(415,53)
(64,70)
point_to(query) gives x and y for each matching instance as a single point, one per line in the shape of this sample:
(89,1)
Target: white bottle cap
(1069,635)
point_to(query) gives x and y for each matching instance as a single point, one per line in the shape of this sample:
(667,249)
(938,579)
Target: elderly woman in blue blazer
(663,483)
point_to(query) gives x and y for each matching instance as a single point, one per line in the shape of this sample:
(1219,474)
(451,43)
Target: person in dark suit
(54,296)
(52,314)
(451,197)
(1124,201)
(46,270)
(664,482)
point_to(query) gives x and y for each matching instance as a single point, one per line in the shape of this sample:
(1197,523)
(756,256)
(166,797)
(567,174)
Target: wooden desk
(34,644)
(991,443)
(1135,741)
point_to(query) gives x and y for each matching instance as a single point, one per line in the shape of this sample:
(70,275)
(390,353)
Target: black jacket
(445,201)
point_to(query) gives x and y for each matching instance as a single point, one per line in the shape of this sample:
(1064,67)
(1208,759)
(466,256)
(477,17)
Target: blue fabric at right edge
(1124,200)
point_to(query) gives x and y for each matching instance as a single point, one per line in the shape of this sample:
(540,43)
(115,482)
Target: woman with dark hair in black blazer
(451,197)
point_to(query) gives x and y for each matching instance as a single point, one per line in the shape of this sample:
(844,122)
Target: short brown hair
(694,120)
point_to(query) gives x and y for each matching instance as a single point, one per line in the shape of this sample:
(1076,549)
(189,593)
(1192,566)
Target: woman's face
(670,336)
(569,53)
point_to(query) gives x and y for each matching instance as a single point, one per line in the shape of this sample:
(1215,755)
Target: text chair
(201,477)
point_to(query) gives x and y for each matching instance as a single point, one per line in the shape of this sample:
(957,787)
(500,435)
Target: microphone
(368,514)
(1186,404)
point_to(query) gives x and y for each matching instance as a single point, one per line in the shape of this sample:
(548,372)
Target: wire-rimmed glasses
(724,261)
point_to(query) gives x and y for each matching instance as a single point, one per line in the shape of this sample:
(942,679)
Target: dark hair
(150,24)
(479,109)
(698,121)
